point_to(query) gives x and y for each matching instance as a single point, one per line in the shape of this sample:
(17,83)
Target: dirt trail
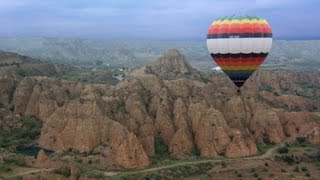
(35,171)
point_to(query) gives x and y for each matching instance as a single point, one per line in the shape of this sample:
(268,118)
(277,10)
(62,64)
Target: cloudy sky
(151,19)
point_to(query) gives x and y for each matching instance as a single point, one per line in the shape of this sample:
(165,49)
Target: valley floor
(265,166)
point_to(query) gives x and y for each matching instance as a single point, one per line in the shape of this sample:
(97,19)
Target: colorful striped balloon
(239,45)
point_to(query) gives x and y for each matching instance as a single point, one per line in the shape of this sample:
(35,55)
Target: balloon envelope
(239,45)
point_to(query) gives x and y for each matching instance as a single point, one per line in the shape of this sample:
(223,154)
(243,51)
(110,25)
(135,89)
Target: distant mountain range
(131,53)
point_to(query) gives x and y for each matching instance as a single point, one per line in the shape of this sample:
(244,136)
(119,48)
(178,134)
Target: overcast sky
(151,19)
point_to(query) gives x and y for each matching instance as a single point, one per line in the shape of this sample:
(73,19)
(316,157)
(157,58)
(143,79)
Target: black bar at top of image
(239,35)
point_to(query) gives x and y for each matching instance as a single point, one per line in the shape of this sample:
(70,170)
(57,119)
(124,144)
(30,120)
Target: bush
(286,158)
(263,148)
(318,155)
(63,171)
(283,150)
(296,169)
(223,164)
(121,109)
(301,140)
(283,170)
(304,169)
(266,139)
(196,151)
(5,168)
(266,164)
(253,170)
(255,174)
(307,174)
(265,169)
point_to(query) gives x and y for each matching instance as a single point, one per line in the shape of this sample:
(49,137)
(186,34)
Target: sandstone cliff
(168,99)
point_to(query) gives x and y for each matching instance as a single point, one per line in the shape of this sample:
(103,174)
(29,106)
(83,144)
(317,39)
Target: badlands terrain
(162,120)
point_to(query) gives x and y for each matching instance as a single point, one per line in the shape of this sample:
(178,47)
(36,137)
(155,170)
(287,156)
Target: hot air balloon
(239,45)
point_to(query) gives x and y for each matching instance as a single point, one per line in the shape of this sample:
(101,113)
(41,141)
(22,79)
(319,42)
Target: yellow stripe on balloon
(237,21)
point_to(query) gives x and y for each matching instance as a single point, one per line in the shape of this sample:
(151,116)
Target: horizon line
(148,39)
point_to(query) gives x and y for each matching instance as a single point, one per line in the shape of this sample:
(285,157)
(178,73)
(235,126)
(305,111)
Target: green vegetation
(283,150)
(11,161)
(283,170)
(309,90)
(95,174)
(205,177)
(5,168)
(63,171)
(121,109)
(223,164)
(161,155)
(265,169)
(87,76)
(239,174)
(304,169)
(89,172)
(170,172)
(73,152)
(301,142)
(266,88)
(264,147)
(15,160)
(181,171)
(290,159)
(196,151)
(309,85)
(253,170)
(27,130)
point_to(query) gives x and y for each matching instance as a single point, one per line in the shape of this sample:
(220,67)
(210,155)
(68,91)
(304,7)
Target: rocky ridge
(168,100)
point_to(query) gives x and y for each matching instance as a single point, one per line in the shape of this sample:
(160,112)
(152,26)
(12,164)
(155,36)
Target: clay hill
(14,68)
(191,112)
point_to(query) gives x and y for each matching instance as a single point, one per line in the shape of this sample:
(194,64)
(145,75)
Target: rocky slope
(172,65)
(14,67)
(172,101)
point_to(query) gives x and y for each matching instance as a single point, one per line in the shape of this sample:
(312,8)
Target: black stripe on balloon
(238,72)
(239,35)
(240,79)
(238,55)
(239,84)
